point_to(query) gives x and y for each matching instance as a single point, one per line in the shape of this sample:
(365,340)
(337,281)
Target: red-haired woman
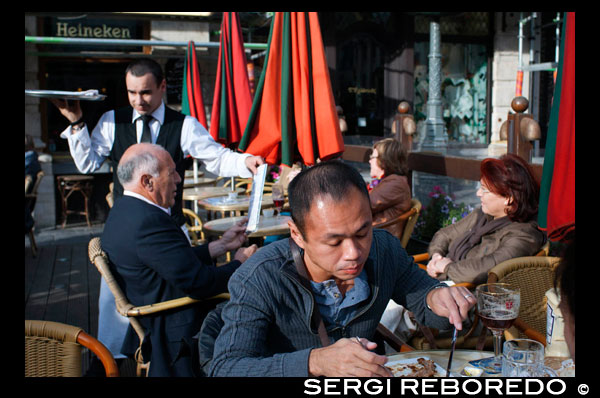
(504,227)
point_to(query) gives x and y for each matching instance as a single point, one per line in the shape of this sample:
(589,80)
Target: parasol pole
(195,171)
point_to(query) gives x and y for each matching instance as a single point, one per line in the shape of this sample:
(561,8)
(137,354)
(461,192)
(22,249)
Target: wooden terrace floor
(61,284)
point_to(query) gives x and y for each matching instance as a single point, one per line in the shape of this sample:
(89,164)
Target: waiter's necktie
(146,135)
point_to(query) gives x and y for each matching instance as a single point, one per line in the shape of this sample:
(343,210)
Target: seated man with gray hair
(153,261)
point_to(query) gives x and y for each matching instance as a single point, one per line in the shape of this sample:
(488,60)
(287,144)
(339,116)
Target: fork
(451,352)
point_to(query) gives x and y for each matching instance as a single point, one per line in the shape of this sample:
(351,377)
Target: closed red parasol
(557,192)
(232,99)
(293,116)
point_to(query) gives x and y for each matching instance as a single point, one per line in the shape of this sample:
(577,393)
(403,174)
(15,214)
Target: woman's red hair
(511,177)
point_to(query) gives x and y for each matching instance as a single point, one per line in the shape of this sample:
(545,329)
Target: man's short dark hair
(332,178)
(142,66)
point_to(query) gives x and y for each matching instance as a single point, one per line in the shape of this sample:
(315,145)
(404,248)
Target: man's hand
(232,239)
(252,163)
(452,302)
(69,109)
(348,357)
(244,253)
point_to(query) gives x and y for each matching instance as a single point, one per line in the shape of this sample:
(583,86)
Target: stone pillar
(45,206)
(435,130)
(435,138)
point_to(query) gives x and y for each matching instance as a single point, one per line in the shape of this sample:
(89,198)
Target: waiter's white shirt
(89,152)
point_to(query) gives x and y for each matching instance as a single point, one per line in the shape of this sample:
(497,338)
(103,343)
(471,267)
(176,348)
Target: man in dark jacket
(352,271)
(153,260)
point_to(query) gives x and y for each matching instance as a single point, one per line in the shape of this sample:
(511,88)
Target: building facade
(376,60)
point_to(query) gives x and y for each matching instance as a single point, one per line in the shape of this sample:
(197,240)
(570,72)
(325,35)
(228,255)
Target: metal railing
(130,42)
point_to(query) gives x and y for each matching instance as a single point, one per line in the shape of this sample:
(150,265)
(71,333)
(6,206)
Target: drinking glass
(278,199)
(524,358)
(498,307)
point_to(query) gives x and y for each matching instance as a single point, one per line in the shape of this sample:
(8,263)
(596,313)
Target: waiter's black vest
(169,137)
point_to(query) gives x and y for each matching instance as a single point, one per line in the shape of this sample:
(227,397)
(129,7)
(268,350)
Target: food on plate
(420,368)
(472,371)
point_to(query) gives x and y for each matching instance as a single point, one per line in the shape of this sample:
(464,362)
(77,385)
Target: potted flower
(274,174)
(441,211)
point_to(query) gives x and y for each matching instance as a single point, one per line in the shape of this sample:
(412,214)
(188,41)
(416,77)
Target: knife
(451,352)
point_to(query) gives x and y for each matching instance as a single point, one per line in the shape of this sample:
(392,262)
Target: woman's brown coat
(389,199)
(514,240)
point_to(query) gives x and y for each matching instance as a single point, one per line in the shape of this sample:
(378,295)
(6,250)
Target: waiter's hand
(69,109)
(252,163)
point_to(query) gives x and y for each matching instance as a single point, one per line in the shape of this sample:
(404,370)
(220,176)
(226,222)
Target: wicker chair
(30,200)
(245,183)
(54,349)
(534,275)
(421,258)
(410,217)
(124,307)
(193,224)
(110,196)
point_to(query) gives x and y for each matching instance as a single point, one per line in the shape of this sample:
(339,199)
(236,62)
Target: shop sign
(104,31)
(361,90)
(88,28)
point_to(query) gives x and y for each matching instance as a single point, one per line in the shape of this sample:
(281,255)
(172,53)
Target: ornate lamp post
(435,130)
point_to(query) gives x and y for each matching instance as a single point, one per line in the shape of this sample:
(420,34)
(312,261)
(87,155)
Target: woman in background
(389,190)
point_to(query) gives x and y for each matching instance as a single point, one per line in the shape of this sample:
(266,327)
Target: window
(464,49)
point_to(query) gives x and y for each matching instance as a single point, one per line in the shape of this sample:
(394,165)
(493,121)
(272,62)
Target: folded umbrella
(191,97)
(557,191)
(293,116)
(232,99)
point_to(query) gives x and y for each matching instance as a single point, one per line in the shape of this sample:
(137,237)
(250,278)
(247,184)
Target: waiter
(146,120)
(149,120)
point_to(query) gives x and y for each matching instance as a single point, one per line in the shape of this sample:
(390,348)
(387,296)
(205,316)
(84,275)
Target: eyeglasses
(483,189)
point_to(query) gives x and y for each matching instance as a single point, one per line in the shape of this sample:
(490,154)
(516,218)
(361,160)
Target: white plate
(406,367)
(89,95)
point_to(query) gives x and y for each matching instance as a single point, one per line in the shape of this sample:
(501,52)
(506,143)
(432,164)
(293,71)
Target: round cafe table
(190,173)
(198,193)
(239,204)
(267,226)
(201,181)
(564,367)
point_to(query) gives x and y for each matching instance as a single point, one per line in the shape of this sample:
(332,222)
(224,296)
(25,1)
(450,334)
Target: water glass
(268,212)
(524,358)
(231,196)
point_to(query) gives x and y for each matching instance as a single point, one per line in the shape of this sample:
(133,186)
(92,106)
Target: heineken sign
(104,31)
(90,28)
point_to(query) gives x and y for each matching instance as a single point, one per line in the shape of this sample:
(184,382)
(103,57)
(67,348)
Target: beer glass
(498,307)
